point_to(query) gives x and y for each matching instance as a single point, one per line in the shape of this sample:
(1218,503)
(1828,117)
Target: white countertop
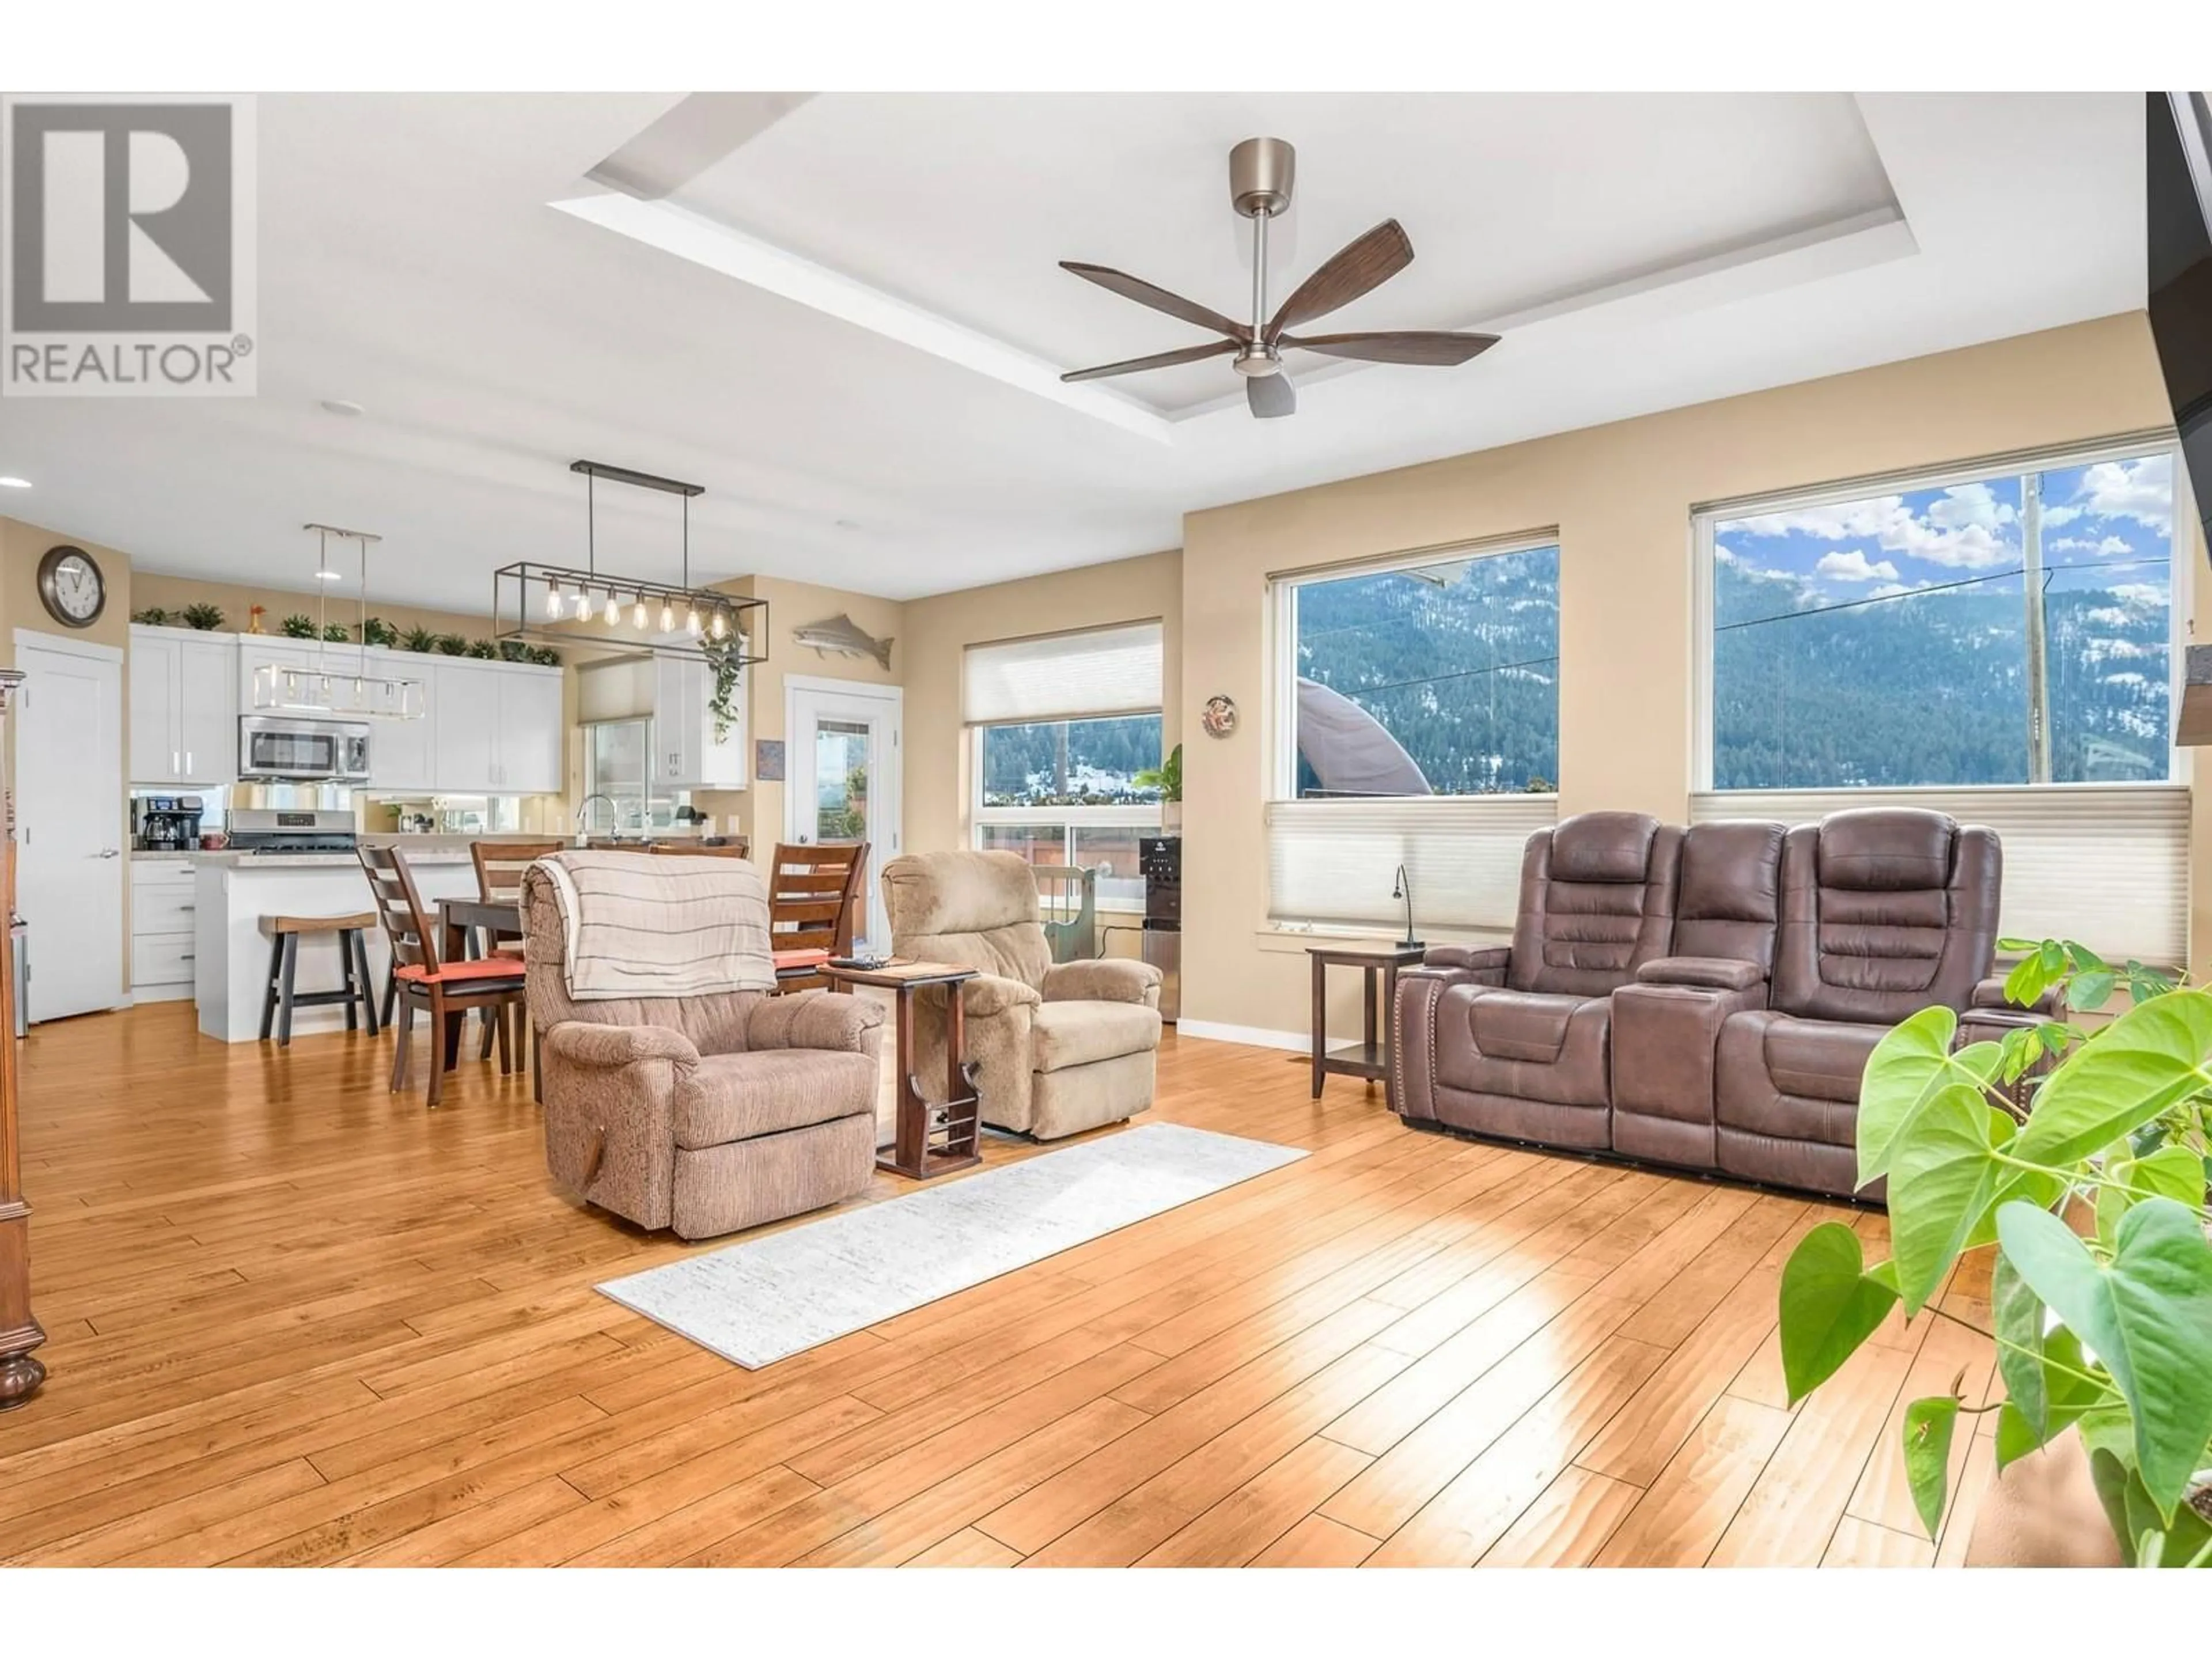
(235,861)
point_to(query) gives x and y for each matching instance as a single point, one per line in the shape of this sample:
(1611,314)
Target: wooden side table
(930,1140)
(1369,1058)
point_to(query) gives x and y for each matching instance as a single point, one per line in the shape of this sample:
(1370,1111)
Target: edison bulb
(691,623)
(553,600)
(720,626)
(637,612)
(667,617)
(614,609)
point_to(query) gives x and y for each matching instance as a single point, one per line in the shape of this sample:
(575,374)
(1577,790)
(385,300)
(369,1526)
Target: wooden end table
(930,1140)
(1370,1057)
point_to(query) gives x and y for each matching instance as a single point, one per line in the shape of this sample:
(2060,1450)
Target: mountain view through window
(1441,679)
(1890,642)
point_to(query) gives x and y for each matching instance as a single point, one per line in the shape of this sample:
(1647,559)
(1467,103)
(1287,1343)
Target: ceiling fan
(1261,174)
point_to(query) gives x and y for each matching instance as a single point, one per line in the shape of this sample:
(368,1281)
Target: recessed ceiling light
(341,406)
(14,483)
(329,576)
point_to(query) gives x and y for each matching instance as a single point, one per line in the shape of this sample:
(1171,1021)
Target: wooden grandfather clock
(20,1374)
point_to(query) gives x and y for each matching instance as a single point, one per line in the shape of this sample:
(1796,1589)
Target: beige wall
(1619,497)
(759,809)
(937,757)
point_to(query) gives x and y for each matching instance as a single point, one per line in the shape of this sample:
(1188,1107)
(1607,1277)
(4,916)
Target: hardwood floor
(294,1319)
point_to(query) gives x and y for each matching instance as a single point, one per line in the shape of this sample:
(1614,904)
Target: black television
(2177,184)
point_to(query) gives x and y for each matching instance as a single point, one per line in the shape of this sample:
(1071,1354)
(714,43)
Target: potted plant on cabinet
(2093,1195)
(1167,778)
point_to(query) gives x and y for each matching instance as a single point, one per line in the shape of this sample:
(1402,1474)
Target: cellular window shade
(1334,862)
(1064,677)
(2106,865)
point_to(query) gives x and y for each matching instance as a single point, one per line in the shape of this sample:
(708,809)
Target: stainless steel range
(260,829)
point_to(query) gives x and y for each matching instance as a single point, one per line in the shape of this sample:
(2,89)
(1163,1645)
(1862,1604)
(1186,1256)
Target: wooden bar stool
(355,990)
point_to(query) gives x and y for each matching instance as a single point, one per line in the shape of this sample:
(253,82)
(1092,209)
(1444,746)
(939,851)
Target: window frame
(1282,781)
(1706,518)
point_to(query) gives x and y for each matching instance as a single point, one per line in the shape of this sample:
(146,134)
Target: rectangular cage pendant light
(343,683)
(336,687)
(568,605)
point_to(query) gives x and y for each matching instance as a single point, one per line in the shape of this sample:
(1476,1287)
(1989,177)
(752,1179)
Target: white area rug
(760,1302)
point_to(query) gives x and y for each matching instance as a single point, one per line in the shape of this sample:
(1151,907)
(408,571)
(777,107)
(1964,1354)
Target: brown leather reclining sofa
(1704,998)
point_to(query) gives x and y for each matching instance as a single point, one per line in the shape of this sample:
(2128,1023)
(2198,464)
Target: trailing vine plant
(726,657)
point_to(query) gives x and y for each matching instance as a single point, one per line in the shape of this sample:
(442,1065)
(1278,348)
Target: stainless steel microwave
(285,747)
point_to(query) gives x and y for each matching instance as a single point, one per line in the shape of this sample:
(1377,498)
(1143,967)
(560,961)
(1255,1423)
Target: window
(615,769)
(1438,678)
(2016,627)
(1063,727)
(2000,645)
(1419,708)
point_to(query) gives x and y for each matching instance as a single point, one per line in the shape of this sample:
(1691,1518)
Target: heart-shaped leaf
(2147,1315)
(2069,1384)
(2018,1312)
(2140,1064)
(1928,1425)
(2172,1171)
(1902,1074)
(1830,1306)
(1942,1178)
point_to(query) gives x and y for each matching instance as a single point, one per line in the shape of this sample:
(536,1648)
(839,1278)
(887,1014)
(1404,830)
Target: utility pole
(2039,689)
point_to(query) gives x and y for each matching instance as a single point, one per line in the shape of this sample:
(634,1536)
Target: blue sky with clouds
(2106,525)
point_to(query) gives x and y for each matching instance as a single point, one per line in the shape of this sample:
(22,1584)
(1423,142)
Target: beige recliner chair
(1058,1047)
(700,1113)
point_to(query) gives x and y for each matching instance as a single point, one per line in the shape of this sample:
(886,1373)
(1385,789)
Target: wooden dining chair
(500,864)
(811,895)
(447,991)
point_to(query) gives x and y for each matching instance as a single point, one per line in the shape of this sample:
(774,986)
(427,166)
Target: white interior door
(68,796)
(842,757)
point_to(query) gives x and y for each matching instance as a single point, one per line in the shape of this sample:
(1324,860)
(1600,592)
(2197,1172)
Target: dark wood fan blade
(1145,294)
(1158,360)
(1362,263)
(1271,395)
(1408,346)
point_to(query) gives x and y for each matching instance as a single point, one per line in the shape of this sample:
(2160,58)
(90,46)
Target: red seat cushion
(799,962)
(507,953)
(490,968)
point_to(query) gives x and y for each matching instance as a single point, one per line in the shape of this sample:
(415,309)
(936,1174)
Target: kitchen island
(234,892)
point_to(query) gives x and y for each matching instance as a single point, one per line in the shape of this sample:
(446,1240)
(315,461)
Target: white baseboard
(1252,1037)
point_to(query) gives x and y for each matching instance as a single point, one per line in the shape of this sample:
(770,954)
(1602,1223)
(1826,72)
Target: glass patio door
(843,755)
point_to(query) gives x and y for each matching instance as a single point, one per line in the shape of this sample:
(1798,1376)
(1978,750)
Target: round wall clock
(1218,717)
(71,588)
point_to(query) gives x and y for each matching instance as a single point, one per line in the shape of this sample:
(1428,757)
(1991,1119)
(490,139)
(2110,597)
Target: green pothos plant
(2103,1327)
(727,657)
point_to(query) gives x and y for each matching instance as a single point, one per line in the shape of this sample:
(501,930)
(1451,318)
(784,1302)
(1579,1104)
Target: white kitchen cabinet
(183,707)
(465,746)
(402,754)
(162,929)
(686,752)
(497,729)
(532,746)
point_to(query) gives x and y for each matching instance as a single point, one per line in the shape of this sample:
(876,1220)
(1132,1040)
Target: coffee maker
(166,823)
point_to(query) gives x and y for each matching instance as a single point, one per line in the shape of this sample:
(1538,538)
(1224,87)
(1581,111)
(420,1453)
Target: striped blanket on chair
(639,926)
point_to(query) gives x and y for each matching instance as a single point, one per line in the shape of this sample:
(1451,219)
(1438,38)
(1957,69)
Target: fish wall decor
(840,636)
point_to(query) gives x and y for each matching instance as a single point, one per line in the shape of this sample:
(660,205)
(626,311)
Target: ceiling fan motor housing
(1261,173)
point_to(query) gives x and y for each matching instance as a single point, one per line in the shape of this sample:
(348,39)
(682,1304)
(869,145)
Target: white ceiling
(1638,252)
